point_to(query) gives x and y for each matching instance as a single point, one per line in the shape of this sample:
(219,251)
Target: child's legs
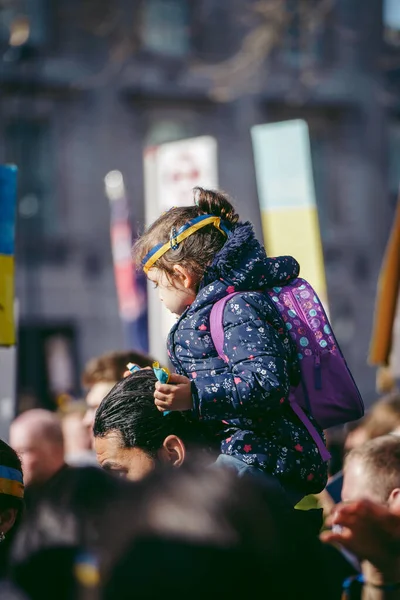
(230,462)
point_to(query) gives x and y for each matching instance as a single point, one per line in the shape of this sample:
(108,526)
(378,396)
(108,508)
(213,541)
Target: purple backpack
(327,389)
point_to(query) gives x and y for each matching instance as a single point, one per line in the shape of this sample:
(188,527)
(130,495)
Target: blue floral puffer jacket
(249,396)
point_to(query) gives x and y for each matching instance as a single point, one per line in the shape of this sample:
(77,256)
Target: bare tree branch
(243,71)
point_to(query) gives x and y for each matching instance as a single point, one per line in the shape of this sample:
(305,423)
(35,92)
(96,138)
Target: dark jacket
(249,395)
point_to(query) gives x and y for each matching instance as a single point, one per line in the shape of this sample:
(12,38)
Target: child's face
(176,295)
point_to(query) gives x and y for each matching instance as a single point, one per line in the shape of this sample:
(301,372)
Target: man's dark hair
(129,409)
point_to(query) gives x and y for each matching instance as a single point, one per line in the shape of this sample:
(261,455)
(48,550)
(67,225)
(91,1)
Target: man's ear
(185,276)
(173,451)
(7,519)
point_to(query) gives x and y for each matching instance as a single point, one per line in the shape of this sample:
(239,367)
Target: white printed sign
(171,172)
(8,359)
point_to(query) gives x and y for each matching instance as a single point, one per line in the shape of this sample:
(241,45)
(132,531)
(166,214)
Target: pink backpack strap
(217,325)
(325,455)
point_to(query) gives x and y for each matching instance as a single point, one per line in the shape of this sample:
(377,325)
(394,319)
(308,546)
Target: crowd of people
(210,482)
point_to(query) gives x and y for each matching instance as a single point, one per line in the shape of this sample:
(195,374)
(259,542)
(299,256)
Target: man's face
(93,400)
(130,463)
(39,457)
(358,483)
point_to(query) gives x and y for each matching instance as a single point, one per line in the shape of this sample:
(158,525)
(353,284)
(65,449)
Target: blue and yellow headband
(178,236)
(11,482)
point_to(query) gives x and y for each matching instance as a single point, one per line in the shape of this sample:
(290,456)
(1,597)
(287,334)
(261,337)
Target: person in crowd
(36,435)
(102,373)
(381,419)
(180,532)
(370,531)
(11,500)
(131,436)
(372,472)
(209,534)
(77,438)
(355,434)
(195,256)
(69,536)
(384,416)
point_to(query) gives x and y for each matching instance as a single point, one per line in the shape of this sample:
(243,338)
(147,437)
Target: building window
(28,144)
(391,21)
(166,27)
(391,14)
(50,371)
(216,30)
(307,39)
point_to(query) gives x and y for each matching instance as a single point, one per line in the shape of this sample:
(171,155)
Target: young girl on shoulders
(195,256)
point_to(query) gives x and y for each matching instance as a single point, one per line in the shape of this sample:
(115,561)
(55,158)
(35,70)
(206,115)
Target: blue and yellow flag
(8,193)
(285,183)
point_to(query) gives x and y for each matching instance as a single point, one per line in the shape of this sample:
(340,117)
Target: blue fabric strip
(10,473)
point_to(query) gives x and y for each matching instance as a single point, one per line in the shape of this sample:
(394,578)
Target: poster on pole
(171,171)
(287,200)
(130,285)
(8,378)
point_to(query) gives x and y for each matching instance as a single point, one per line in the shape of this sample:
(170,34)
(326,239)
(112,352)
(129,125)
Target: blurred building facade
(94,82)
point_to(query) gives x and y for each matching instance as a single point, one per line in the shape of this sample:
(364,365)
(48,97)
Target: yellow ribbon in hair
(216,221)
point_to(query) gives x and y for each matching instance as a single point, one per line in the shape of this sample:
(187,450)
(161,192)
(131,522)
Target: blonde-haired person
(102,372)
(195,256)
(384,416)
(371,487)
(381,419)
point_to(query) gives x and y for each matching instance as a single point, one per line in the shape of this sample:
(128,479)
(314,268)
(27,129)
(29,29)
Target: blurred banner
(131,287)
(8,194)
(385,342)
(287,198)
(171,172)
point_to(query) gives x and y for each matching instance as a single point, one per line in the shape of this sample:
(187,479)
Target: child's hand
(177,396)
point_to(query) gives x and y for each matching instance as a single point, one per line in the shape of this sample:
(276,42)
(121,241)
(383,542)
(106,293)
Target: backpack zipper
(318,373)
(316,348)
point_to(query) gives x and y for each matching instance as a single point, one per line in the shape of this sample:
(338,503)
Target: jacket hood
(242,263)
